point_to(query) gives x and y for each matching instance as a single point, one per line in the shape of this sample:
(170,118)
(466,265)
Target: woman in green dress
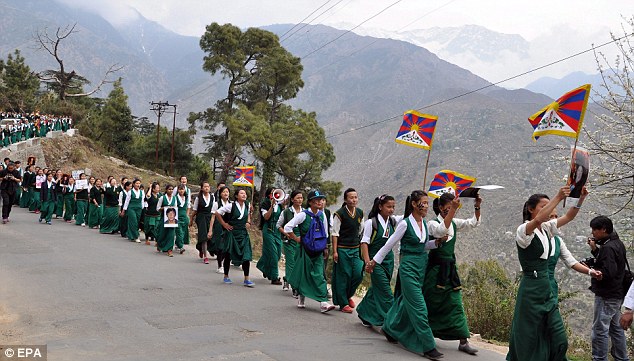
(238,243)
(25,199)
(271,238)
(216,232)
(95,209)
(61,180)
(347,269)
(167,228)
(406,321)
(110,222)
(203,208)
(132,210)
(152,218)
(34,188)
(48,192)
(376,231)
(537,331)
(442,288)
(562,253)
(124,192)
(290,247)
(81,203)
(307,275)
(69,200)
(182,232)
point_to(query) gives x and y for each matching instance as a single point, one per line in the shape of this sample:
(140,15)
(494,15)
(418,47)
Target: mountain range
(359,86)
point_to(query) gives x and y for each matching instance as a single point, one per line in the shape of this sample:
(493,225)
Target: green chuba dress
(152,217)
(167,235)
(407,321)
(443,295)
(25,199)
(271,243)
(203,218)
(307,275)
(69,202)
(133,214)
(182,232)
(110,222)
(95,211)
(552,265)
(238,243)
(81,206)
(537,331)
(347,273)
(290,247)
(379,298)
(218,233)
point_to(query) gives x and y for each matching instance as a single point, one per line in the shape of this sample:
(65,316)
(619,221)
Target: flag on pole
(244,176)
(448,181)
(562,117)
(417,130)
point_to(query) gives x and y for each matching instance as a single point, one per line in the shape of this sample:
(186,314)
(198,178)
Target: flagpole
(572,162)
(426,166)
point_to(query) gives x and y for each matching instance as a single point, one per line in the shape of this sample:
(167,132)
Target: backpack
(315,240)
(375,225)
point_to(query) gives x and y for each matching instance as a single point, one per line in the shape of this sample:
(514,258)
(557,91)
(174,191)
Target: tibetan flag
(563,117)
(244,176)
(417,130)
(448,181)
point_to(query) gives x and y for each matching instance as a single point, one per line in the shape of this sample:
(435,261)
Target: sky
(554,28)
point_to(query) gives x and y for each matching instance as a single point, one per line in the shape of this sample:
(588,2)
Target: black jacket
(610,260)
(44,191)
(9,186)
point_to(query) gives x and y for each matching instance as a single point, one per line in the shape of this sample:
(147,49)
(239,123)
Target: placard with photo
(170,217)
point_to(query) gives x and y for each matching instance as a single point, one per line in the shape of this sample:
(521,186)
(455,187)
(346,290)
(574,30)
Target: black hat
(314,194)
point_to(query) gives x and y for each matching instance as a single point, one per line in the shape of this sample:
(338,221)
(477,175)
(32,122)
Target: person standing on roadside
(610,259)
(10,179)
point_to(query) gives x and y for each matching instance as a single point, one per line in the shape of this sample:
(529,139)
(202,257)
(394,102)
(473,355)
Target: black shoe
(433,354)
(466,347)
(389,338)
(365,323)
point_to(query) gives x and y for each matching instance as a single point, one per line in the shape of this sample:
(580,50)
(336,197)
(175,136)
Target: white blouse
(545,233)
(367,228)
(227,209)
(206,199)
(437,230)
(280,221)
(299,218)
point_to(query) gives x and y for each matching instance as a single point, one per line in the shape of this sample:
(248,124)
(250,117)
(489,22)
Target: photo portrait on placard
(579,168)
(171,217)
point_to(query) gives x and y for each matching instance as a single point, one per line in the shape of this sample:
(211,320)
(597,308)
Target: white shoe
(137,240)
(300,302)
(83,224)
(220,270)
(326,307)
(285,286)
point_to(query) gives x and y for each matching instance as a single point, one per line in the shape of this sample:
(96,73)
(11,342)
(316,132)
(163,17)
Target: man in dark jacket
(610,255)
(9,182)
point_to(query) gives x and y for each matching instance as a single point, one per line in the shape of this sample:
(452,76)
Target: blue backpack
(315,240)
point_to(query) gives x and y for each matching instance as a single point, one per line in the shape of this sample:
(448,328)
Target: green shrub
(489,299)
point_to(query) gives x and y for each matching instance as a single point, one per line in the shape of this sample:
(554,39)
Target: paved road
(99,297)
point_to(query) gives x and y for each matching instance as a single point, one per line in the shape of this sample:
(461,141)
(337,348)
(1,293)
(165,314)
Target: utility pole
(173,131)
(158,108)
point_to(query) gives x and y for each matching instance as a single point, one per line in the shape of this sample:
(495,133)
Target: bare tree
(67,84)
(612,143)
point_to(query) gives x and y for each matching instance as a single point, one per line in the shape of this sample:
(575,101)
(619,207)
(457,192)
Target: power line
(308,23)
(350,30)
(301,21)
(486,86)
(378,39)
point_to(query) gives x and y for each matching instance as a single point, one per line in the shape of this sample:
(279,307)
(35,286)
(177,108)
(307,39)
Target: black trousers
(7,202)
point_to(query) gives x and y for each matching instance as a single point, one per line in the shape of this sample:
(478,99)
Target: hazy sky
(555,28)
